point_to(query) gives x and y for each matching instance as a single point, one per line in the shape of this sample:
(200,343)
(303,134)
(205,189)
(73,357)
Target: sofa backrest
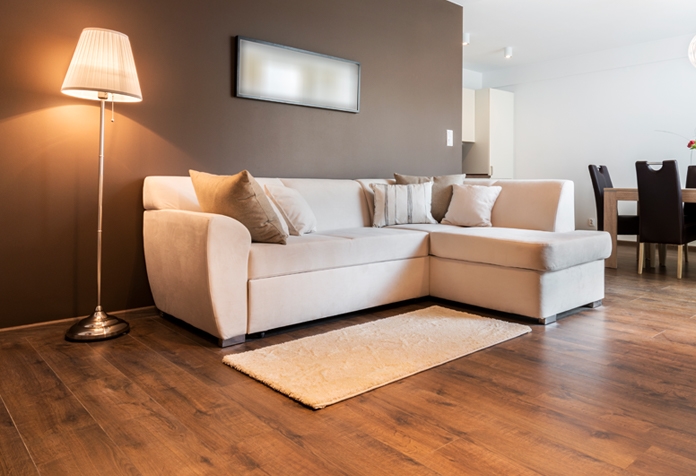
(546,205)
(337,204)
(167,193)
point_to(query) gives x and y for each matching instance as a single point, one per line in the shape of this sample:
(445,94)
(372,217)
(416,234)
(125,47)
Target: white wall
(604,109)
(472,79)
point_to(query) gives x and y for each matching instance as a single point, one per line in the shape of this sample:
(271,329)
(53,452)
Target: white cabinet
(493,149)
(468,114)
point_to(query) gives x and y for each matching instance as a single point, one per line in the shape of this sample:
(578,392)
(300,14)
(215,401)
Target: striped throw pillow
(402,204)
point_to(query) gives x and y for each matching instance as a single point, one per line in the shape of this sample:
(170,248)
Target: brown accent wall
(411,57)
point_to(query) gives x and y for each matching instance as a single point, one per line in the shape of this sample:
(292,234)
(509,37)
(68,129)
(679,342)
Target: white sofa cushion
(366,185)
(335,249)
(402,204)
(546,205)
(442,190)
(293,208)
(528,249)
(169,193)
(471,205)
(426,227)
(337,204)
(281,219)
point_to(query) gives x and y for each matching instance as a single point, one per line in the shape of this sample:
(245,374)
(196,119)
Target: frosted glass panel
(282,74)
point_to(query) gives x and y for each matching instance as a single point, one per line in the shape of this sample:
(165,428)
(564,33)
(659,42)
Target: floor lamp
(102,69)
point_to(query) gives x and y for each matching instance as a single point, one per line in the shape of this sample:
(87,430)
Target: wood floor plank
(539,451)
(220,422)
(153,439)
(193,357)
(14,457)
(595,441)
(62,437)
(403,431)
(463,456)
(668,462)
(600,409)
(349,446)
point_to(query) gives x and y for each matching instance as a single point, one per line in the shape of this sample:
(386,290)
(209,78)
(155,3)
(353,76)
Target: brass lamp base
(98,326)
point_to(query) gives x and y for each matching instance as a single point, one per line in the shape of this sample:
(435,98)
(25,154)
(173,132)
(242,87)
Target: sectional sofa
(204,269)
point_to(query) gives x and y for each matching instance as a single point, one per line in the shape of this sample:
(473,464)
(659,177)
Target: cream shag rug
(327,368)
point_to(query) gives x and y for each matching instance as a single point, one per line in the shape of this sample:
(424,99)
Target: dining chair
(626,224)
(661,210)
(690,208)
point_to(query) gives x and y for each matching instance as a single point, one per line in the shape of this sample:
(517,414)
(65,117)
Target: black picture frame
(333,83)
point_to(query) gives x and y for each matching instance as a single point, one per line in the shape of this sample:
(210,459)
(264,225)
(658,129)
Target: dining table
(611,198)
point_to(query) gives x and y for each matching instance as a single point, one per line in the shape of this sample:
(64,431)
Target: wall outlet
(591,222)
(450,138)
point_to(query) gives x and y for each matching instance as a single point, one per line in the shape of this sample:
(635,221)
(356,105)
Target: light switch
(450,138)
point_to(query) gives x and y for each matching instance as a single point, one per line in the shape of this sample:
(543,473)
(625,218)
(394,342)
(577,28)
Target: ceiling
(543,30)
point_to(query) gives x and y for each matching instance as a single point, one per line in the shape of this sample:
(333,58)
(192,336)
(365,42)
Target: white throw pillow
(281,218)
(293,208)
(402,204)
(471,205)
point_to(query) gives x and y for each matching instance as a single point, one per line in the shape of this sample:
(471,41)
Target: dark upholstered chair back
(600,180)
(690,208)
(660,203)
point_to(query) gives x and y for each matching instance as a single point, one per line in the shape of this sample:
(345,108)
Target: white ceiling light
(692,51)
(508,52)
(467,39)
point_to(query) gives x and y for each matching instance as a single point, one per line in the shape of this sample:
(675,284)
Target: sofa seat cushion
(426,227)
(515,248)
(335,249)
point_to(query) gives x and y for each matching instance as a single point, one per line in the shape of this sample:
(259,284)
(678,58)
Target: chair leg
(680,258)
(662,251)
(641,253)
(650,255)
(686,252)
(637,249)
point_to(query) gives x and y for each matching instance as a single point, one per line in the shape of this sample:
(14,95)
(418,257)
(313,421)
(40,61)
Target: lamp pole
(101,199)
(99,325)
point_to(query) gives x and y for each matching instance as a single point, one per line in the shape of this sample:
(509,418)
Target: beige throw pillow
(242,198)
(471,205)
(442,190)
(294,208)
(402,204)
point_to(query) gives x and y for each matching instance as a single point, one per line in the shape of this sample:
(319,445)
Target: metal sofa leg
(231,341)
(594,304)
(257,335)
(547,320)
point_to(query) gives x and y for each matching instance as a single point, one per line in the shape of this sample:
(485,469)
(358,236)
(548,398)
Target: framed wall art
(271,72)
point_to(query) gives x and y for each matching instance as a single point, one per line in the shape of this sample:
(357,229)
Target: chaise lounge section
(204,269)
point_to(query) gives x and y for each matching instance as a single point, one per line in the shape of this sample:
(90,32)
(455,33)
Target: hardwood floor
(610,390)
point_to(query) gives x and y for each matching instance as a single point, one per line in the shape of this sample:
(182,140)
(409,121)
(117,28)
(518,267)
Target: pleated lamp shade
(103,63)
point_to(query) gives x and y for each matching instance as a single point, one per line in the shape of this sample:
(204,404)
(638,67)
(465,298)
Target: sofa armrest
(197,265)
